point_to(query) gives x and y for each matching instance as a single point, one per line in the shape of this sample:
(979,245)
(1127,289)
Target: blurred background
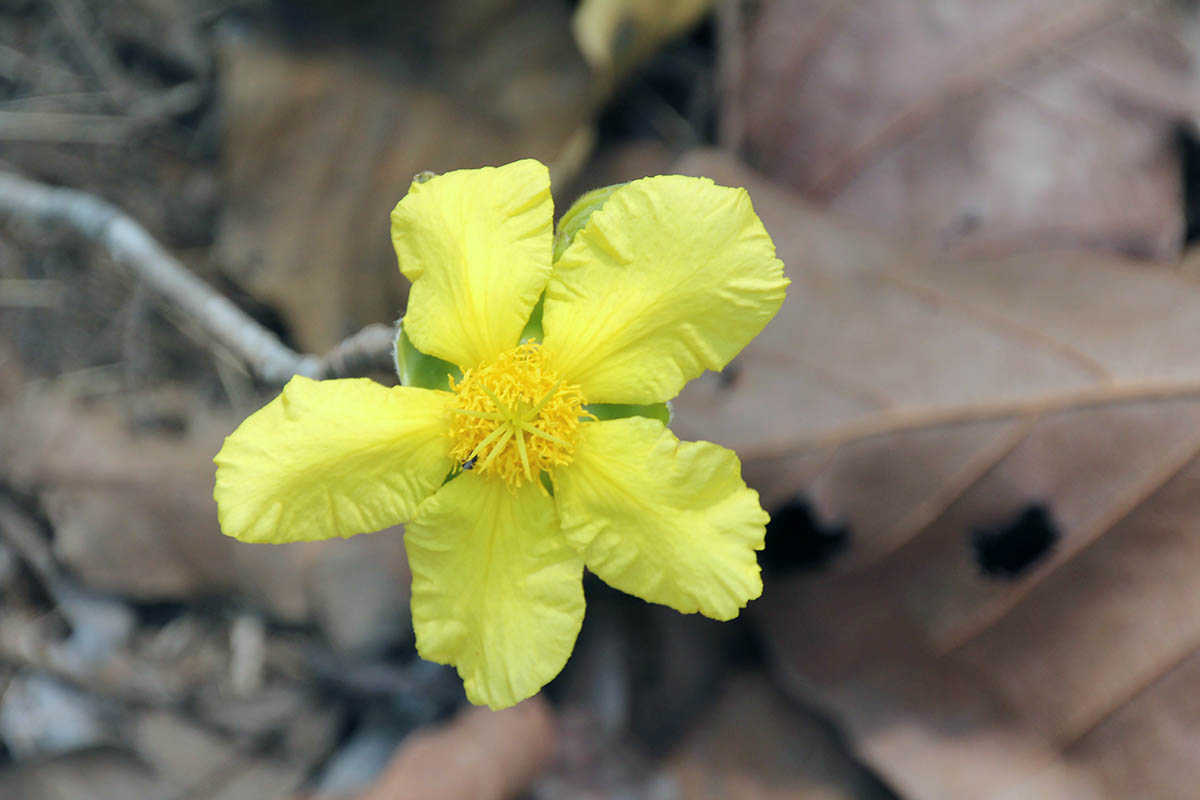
(975,421)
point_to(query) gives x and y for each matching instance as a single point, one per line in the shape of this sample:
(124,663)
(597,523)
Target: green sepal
(415,368)
(577,215)
(532,332)
(658,411)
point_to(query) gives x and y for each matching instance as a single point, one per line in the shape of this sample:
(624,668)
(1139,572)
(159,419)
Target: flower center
(514,418)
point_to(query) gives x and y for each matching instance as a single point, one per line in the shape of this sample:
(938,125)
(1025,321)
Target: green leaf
(415,368)
(658,411)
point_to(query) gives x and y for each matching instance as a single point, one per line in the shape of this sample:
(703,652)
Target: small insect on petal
(470,462)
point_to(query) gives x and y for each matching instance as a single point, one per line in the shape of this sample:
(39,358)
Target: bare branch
(98,58)
(133,248)
(369,349)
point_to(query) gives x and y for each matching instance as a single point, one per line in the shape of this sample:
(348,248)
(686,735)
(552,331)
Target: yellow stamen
(505,435)
(491,437)
(479,414)
(546,398)
(491,396)
(544,435)
(520,436)
(498,403)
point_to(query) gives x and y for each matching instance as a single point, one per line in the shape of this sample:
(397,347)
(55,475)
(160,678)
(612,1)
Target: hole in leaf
(728,377)
(797,541)
(1189,156)
(1008,550)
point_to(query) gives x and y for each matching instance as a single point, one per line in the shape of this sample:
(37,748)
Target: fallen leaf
(181,753)
(755,745)
(133,514)
(95,775)
(930,405)
(320,145)
(988,127)
(479,755)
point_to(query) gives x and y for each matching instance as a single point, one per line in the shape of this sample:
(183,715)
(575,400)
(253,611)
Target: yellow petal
(332,458)
(496,590)
(476,243)
(668,521)
(672,276)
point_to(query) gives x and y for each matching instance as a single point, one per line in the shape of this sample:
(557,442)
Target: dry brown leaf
(134,515)
(991,127)
(755,746)
(918,400)
(320,146)
(95,774)
(479,755)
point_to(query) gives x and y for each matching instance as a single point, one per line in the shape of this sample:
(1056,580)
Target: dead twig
(479,754)
(131,246)
(17,67)
(369,349)
(98,57)
(50,126)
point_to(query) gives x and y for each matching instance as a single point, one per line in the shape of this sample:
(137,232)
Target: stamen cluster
(513,418)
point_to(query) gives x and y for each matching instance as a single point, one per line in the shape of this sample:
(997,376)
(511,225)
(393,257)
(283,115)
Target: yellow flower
(512,475)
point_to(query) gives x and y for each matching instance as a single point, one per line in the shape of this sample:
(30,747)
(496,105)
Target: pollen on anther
(513,418)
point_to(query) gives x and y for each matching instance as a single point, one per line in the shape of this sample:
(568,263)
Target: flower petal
(476,243)
(672,276)
(668,521)
(332,458)
(496,590)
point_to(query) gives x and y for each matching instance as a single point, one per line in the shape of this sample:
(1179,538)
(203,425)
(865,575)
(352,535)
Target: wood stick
(131,246)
